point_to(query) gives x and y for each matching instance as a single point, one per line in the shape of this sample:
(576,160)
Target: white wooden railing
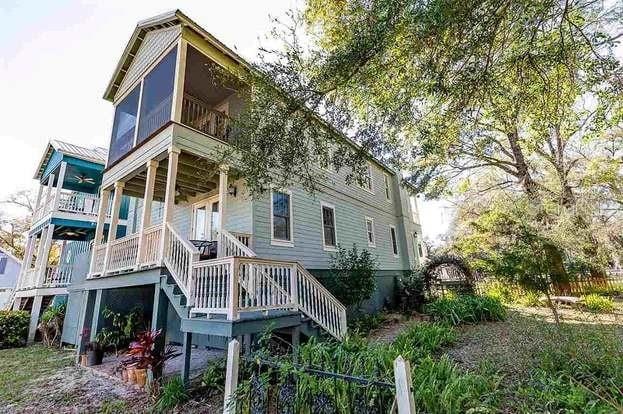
(80,203)
(211,285)
(244,238)
(200,116)
(57,276)
(28,279)
(151,241)
(179,257)
(123,253)
(230,245)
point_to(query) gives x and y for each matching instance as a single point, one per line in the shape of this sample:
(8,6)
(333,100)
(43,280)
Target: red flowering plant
(142,352)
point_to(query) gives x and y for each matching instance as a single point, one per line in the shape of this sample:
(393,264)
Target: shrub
(423,339)
(462,309)
(51,325)
(366,322)
(13,328)
(597,304)
(213,377)
(352,275)
(172,394)
(411,292)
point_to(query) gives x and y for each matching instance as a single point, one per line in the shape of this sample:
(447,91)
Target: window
(365,182)
(328,226)
(3,261)
(124,125)
(388,194)
(157,96)
(370,232)
(281,212)
(392,233)
(417,246)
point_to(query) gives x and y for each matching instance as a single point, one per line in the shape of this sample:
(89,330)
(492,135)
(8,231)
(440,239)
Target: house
(203,259)
(9,272)
(57,250)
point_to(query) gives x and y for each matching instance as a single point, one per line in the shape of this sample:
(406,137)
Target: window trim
(326,246)
(393,239)
(279,242)
(388,190)
(370,220)
(364,187)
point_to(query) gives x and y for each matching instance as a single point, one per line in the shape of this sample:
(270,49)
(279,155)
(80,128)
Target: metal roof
(96,155)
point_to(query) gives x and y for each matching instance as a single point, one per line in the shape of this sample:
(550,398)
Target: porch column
(59,184)
(102,212)
(48,191)
(222,204)
(39,194)
(150,184)
(45,256)
(42,238)
(28,254)
(34,318)
(114,221)
(169,196)
(186,353)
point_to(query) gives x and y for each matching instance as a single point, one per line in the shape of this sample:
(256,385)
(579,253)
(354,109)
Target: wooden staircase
(238,284)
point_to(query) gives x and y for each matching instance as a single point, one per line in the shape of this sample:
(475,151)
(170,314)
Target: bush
(213,377)
(13,328)
(366,322)
(172,394)
(423,339)
(51,325)
(597,304)
(411,292)
(457,310)
(352,275)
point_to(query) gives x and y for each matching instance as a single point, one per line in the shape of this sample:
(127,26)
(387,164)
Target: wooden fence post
(404,396)
(231,377)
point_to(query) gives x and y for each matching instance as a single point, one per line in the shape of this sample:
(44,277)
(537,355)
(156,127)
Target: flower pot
(141,377)
(131,375)
(95,357)
(83,360)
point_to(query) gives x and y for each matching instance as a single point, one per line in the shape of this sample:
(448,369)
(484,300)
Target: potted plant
(142,355)
(95,353)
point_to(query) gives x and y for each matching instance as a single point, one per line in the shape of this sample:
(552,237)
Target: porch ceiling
(195,175)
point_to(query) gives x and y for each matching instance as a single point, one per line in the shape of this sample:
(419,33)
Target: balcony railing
(70,202)
(200,116)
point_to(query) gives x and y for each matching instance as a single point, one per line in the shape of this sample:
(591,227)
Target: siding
(154,44)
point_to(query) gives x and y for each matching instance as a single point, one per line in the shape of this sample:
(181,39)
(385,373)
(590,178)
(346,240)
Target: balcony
(72,202)
(200,116)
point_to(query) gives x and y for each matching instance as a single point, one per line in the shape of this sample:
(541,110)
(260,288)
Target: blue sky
(56,58)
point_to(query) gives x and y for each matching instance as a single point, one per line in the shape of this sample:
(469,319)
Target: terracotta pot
(141,377)
(124,374)
(131,375)
(83,360)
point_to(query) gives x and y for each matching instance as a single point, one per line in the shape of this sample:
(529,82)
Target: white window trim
(373,243)
(391,241)
(324,242)
(273,240)
(387,189)
(363,186)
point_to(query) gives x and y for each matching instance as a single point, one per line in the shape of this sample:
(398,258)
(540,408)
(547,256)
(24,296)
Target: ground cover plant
(462,309)
(597,304)
(13,328)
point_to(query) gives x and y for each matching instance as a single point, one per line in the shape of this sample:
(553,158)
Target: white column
(47,245)
(114,220)
(59,184)
(178,87)
(150,184)
(39,194)
(34,318)
(48,191)
(222,205)
(102,212)
(42,238)
(28,253)
(169,195)
(231,377)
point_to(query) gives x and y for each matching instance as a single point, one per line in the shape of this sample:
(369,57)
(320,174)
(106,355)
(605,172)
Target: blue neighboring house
(9,272)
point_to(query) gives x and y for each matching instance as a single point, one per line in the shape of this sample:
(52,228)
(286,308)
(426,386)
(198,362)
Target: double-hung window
(392,234)
(365,182)
(281,217)
(370,232)
(387,182)
(329,238)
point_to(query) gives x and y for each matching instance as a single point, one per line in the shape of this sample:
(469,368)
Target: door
(205,219)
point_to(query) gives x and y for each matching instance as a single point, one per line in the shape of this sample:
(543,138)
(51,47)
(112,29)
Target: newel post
(404,395)
(232,311)
(169,197)
(294,285)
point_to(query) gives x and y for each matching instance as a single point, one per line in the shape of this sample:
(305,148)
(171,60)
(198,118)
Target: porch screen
(157,97)
(124,124)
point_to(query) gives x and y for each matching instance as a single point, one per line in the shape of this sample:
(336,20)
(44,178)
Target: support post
(178,88)
(34,318)
(96,314)
(59,185)
(38,201)
(45,254)
(159,322)
(102,212)
(150,184)
(186,353)
(404,395)
(114,221)
(231,377)
(48,191)
(232,311)
(169,197)
(28,254)
(222,204)
(294,285)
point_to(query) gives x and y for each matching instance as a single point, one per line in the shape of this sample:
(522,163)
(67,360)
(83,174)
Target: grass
(23,367)
(171,395)
(598,304)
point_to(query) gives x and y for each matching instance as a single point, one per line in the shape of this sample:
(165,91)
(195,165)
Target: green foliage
(171,395)
(598,304)
(122,330)
(352,278)
(13,328)
(114,407)
(213,377)
(511,294)
(364,323)
(410,292)
(466,309)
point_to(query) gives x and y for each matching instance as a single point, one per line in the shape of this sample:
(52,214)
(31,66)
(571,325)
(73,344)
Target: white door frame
(204,202)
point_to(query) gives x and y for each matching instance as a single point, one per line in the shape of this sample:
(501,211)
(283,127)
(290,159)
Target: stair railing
(229,245)
(179,256)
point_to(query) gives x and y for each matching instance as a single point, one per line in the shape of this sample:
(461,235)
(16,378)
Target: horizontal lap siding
(352,205)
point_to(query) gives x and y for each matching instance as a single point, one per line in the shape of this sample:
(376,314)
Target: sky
(56,58)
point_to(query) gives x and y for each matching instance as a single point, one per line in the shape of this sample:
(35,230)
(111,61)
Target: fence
(272,387)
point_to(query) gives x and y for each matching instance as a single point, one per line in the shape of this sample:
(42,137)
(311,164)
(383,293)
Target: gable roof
(96,155)
(164,20)
(9,255)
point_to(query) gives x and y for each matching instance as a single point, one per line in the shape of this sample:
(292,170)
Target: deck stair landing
(239,286)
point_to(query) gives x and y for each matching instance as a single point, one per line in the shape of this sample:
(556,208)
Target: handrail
(228,240)
(179,255)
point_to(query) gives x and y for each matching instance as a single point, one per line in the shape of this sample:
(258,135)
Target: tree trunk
(552,307)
